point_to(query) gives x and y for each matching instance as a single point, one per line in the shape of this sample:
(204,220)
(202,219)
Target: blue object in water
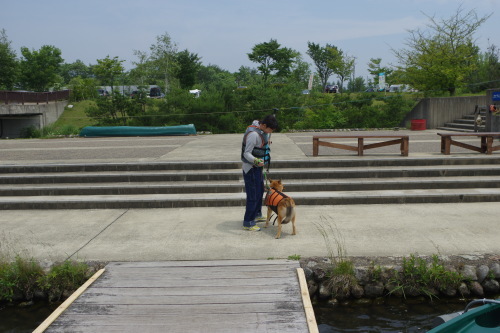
(95,131)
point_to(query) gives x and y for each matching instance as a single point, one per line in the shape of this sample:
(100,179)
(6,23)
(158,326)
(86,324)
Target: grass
(21,277)
(75,116)
(70,123)
(341,274)
(419,276)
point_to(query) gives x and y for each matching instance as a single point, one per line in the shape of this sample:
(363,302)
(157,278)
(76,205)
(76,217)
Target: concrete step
(464,121)
(454,129)
(460,126)
(361,184)
(234,175)
(310,182)
(224,165)
(238,199)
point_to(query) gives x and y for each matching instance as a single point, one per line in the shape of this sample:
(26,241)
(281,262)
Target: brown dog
(281,204)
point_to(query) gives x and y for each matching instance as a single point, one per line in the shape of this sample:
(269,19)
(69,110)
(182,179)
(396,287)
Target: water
(390,317)
(393,316)
(24,319)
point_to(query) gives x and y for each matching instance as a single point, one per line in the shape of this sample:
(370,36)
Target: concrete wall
(15,117)
(438,111)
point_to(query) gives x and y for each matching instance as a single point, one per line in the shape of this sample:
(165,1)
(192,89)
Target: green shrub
(30,132)
(64,277)
(418,276)
(19,278)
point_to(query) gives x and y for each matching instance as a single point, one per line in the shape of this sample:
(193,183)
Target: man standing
(255,153)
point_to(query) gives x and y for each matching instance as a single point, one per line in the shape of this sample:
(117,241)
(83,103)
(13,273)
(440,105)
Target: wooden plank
(479,134)
(199,270)
(131,282)
(206,274)
(250,322)
(382,144)
(183,310)
(402,140)
(327,136)
(98,298)
(486,144)
(173,297)
(263,288)
(306,300)
(195,263)
(465,145)
(57,312)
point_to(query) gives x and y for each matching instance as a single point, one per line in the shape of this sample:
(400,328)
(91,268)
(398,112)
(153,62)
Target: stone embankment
(377,278)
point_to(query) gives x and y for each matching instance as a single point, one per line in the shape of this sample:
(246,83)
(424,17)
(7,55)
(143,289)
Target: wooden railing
(22,97)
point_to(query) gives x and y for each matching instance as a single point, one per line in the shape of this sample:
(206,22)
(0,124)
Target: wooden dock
(191,296)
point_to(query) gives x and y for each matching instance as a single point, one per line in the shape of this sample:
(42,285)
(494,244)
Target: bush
(19,279)
(30,132)
(22,278)
(419,277)
(64,277)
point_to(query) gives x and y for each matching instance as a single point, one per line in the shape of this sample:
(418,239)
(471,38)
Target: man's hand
(258,162)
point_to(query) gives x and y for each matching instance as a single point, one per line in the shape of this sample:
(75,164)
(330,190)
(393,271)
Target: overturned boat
(105,131)
(484,319)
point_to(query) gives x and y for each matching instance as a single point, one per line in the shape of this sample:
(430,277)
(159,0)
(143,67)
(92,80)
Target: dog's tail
(290,210)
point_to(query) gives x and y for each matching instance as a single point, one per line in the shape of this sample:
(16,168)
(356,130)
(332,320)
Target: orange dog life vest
(273,198)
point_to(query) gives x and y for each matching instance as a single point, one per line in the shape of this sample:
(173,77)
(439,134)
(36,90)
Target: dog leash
(266,181)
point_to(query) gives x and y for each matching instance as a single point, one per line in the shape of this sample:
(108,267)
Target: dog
(278,202)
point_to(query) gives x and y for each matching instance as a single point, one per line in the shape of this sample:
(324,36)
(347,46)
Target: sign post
(381,81)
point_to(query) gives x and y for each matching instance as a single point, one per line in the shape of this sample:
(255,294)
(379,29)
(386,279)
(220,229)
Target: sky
(223,32)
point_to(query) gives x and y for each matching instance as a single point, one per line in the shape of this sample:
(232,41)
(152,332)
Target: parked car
(102,92)
(331,88)
(156,93)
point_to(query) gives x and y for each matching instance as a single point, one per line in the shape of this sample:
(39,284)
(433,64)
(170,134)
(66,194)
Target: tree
(188,65)
(142,73)
(487,74)
(82,88)
(356,84)
(320,56)
(300,72)
(340,64)
(212,77)
(8,63)
(39,69)
(246,76)
(273,59)
(108,69)
(163,58)
(443,57)
(73,70)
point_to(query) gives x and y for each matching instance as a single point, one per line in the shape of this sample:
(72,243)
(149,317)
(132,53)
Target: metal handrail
(480,301)
(9,97)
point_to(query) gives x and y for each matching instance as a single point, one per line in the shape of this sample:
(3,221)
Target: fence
(22,97)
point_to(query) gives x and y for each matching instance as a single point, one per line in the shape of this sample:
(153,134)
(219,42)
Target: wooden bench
(486,142)
(402,140)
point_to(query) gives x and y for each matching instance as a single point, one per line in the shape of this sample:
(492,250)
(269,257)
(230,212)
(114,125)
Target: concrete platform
(216,233)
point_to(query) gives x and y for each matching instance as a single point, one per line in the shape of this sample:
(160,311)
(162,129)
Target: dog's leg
(269,213)
(294,231)
(280,218)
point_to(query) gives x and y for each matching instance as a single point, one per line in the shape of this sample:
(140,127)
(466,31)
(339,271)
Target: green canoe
(95,131)
(483,319)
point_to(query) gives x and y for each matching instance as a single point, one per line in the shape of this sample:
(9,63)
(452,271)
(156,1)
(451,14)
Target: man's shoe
(252,228)
(260,219)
